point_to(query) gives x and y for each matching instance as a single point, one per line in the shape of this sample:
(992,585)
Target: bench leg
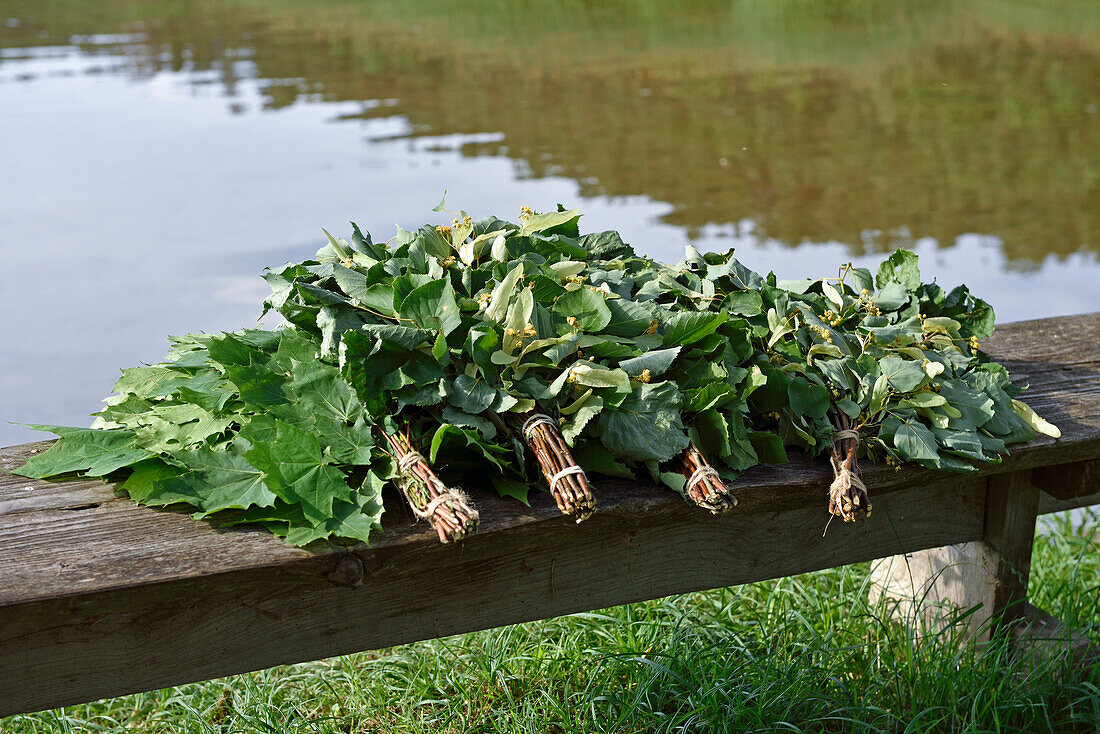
(929,588)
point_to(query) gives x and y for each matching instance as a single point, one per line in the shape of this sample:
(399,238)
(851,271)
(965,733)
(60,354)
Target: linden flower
(652,327)
(443,229)
(530,329)
(646,376)
(572,321)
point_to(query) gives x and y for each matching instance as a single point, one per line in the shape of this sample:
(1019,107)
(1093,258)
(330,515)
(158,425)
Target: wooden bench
(100,597)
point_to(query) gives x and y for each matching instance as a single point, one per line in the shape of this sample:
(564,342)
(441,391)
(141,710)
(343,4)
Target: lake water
(155,157)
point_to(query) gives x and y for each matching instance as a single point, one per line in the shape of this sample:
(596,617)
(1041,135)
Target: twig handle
(567,480)
(704,486)
(848,497)
(448,509)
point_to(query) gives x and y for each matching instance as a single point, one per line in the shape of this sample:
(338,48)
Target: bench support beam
(930,588)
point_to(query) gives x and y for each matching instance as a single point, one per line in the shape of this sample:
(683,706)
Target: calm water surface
(154,160)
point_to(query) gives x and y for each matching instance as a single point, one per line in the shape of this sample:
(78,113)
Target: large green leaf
(169,427)
(297,470)
(322,391)
(976,407)
(549,220)
(94,452)
(587,306)
(214,480)
(807,398)
(688,327)
(902,268)
(433,306)
(915,441)
(628,319)
(646,426)
(470,394)
(374,296)
(903,375)
(656,361)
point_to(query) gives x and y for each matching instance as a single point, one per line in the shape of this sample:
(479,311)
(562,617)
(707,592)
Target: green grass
(797,654)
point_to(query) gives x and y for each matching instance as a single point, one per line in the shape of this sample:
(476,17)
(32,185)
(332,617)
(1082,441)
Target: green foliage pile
(449,334)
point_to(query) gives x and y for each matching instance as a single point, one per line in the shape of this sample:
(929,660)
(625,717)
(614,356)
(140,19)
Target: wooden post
(929,588)
(1011,504)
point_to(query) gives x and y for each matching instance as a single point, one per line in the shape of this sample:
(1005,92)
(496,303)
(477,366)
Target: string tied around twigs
(567,471)
(844,481)
(839,436)
(699,475)
(536,420)
(453,495)
(703,485)
(848,497)
(406,462)
(448,510)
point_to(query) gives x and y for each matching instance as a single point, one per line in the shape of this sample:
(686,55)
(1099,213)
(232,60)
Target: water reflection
(144,187)
(863,126)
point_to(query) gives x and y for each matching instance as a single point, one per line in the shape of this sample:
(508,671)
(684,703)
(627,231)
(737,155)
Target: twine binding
(700,474)
(536,420)
(405,463)
(448,510)
(568,482)
(564,473)
(848,497)
(704,485)
(448,495)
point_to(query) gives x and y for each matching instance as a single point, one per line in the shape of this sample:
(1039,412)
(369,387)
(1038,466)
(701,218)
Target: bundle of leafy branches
(486,344)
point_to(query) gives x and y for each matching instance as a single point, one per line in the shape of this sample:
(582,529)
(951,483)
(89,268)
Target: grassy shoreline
(804,653)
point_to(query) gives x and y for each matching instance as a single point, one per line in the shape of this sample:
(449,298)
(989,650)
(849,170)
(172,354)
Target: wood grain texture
(1068,481)
(157,635)
(1011,505)
(101,597)
(1048,504)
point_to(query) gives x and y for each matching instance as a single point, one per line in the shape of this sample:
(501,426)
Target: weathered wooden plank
(87,646)
(1048,504)
(1068,481)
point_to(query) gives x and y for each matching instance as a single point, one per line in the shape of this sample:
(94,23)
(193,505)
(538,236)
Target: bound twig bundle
(848,497)
(448,510)
(704,486)
(566,478)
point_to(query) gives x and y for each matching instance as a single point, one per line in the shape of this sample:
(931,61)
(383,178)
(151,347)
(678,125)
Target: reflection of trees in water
(979,134)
